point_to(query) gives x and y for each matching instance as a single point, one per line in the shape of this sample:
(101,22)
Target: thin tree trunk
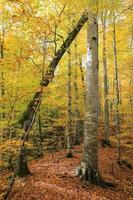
(105,78)
(76,94)
(117,96)
(69,109)
(130,95)
(2,82)
(83,95)
(2,95)
(40,134)
(2,114)
(82,76)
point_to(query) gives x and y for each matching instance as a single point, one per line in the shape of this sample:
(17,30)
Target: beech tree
(77,125)
(69,136)
(35,102)
(105,79)
(88,170)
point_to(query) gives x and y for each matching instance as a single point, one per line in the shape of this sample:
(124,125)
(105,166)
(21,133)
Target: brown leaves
(53,179)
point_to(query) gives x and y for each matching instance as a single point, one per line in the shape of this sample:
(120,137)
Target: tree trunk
(105,78)
(22,166)
(69,109)
(2,95)
(90,148)
(2,114)
(76,101)
(82,76)
(27,115)
(88,170)
(117,96)
(28,118)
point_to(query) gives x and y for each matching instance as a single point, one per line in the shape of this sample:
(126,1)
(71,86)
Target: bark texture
(88,171)
(69,109)
(77,126)
(105,78)
(2,86)
(82,76)
(117,95)
(90,148)
(22,166)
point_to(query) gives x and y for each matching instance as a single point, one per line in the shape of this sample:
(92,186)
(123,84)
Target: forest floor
(53,179)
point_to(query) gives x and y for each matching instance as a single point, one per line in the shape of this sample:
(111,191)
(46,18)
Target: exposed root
(106,143)
(89,176)
(124,164)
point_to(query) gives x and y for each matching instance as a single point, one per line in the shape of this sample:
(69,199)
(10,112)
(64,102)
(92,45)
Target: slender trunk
(82,76)
(76,94)
(2,95)
(117,96)
(2,114)
(105,78)
(69,109)
(40,134)
(130,95)
(2,82)
(120,92)
(83,95)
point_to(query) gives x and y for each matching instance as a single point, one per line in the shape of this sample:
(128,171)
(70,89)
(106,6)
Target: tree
(117,94)
(88,170)
(2,86)
(77,125)
(69,138)
(105,78)
(28,118)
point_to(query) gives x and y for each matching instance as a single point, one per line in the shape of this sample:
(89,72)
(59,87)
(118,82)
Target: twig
(35,64)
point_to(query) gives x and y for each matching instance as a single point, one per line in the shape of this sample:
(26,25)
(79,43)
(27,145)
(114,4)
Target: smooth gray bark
(88,170)
(89,165)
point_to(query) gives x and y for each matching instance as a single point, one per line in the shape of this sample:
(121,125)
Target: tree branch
(29,113)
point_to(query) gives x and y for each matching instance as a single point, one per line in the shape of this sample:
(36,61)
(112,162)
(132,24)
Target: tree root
(106,143)
(90,176)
